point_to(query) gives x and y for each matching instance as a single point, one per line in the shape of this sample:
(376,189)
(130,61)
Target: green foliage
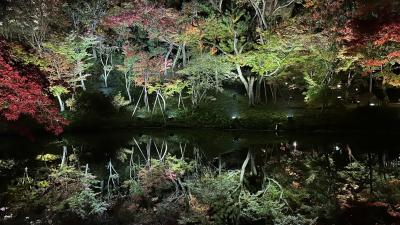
(261,62)
(119,101)
(133,187)
(267,203)
(28,58)
(210,189)
(294,220)
(80,197)
(238,202)
(47,157)
(64,190)
(319,67)
(203,117)
(205,73)
(309,188)
(75,48)
(221,30)
(207,65)
(6,164)
(317,89)
(153,88)
(274,55)
(355,173)
(358,178)
(217,28)
(261,119)
(160,176)
(175,87)
(71,103)
(127,66)
(179,166)
(86,203)
(58,90)
(347,62)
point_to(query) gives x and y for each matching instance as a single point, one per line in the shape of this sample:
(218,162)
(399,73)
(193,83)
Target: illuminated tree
(21,95)
(130,58)
(106,58)
(32,20)
(148,72)
(75,50)
(205,73)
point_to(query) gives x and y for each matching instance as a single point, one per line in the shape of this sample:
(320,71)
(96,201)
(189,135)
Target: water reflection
(318,175)
(227,150)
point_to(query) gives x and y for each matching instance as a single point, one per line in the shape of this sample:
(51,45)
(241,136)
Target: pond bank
(299,119)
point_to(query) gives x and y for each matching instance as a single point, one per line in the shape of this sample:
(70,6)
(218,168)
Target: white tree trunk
(61,103)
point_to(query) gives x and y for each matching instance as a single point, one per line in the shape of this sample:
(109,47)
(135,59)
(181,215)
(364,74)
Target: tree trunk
(64,156)
(146,99)
(146,96)
(137,104)
(178,54)
(273,92)
(385,95)
(148,150)
(164,103)
(349,80)
(83,85)
(105,80)
(370,83)
(250,91)
(265,93)
(154,105)
(61,103)
(184,62)
(181,101)
(258,91)
(94,53)
(82,81)
(128,88)
(171,47)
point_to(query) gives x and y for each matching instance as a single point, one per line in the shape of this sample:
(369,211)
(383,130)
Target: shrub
(86,203)
(66,190)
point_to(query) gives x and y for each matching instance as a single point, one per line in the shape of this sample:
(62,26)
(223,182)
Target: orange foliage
(374,62)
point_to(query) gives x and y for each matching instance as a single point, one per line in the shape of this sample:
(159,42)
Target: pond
(310,178)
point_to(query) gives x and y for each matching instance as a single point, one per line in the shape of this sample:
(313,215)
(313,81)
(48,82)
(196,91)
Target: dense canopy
(156,56)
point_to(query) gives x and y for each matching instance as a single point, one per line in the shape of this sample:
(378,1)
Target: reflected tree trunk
(370,173)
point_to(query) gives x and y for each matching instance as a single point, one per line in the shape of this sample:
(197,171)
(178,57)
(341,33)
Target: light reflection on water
(326,167)
(231,147)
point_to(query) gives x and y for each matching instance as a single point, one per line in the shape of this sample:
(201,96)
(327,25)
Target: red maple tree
(20,94)
(373,29)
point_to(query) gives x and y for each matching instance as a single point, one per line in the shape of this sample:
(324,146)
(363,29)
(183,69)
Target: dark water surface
(380,152)
(97,148)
